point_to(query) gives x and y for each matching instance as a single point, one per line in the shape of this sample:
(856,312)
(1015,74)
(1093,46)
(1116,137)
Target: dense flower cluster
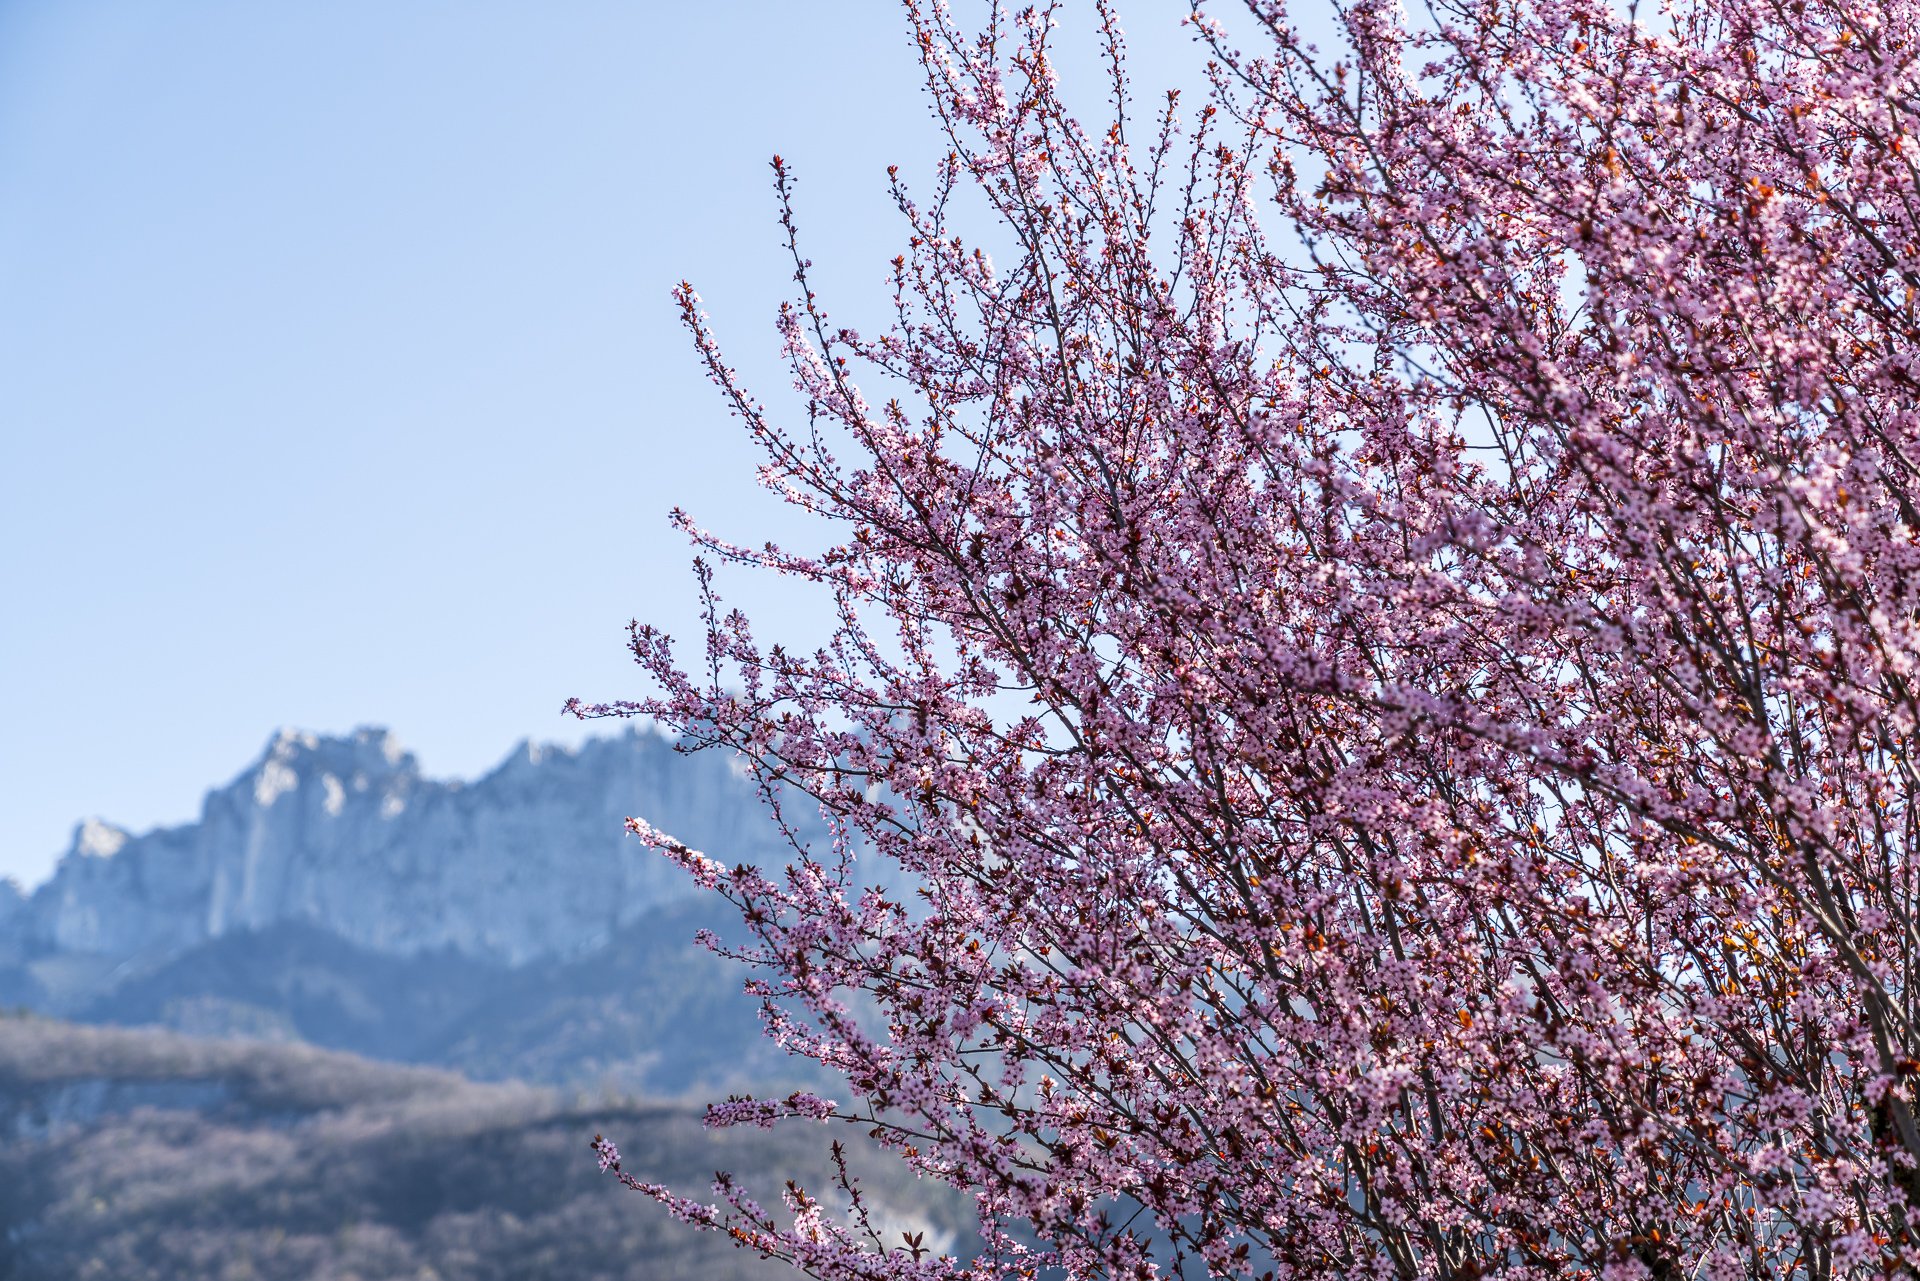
(1399,733)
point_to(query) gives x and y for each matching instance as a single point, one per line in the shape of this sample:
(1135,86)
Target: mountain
(508,928)
(346,834)
(148,1156)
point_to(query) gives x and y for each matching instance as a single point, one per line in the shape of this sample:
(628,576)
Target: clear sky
(339,383)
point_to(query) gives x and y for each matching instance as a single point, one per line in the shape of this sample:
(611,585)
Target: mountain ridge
(531,860)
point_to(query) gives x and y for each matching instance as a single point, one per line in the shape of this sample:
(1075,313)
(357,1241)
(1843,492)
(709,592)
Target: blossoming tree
(1380,641)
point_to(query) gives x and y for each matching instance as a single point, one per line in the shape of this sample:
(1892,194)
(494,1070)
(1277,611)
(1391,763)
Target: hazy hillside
(147,1156)
(651,1013)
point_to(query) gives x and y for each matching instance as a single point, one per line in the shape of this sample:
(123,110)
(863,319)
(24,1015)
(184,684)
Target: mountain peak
(93,838)
(369,749)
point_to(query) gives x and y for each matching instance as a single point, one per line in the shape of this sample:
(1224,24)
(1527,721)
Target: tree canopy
(1381,641)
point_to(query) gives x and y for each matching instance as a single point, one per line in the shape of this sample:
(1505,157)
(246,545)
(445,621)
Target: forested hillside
(149,1156)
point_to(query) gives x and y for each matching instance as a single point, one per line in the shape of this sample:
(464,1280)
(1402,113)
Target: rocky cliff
(346,834)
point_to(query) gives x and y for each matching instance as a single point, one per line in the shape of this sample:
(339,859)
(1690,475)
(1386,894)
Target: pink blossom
(1371,728)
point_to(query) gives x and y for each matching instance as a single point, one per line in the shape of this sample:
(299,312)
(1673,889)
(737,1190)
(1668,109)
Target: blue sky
(339,383)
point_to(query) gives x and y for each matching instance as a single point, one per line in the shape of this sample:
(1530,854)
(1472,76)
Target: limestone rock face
(531,861)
